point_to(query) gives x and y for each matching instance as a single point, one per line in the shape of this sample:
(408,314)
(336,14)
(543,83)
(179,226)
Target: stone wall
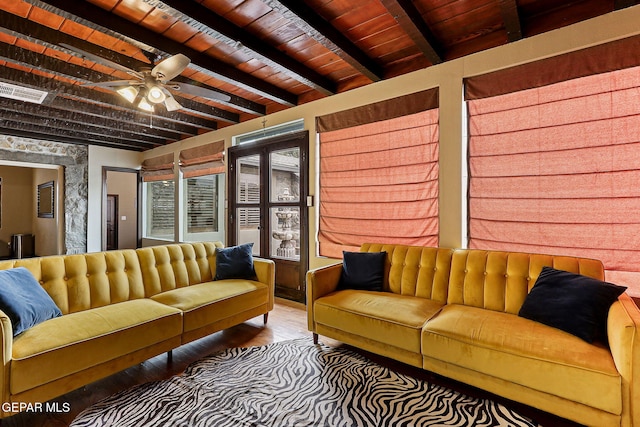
(75,161)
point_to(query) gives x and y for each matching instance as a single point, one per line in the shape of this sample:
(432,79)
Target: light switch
(123,218)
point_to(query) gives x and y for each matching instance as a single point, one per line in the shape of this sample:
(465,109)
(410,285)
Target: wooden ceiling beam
(14,129)
(80,118)
(511,18)
(64,69)
(57,67)
(623,4)
(324,33)
(72,126)
(208,22)
(48,64)
(48,134)
(42,35)
(86,95)
(411,21)
(129,118)
(101,20)
(48,37)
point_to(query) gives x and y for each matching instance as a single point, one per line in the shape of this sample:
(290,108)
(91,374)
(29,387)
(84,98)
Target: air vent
(20,93)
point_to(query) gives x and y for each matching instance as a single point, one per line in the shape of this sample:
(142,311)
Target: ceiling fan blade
(101,60)
(170,67)
(199,91)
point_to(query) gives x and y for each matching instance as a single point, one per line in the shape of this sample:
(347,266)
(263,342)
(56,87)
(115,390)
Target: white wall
(125,186)
(19,206)
(47,230)
(16,205)
(98,158)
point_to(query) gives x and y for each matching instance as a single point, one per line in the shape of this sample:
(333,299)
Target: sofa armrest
(321,281)
(623,329)
(6,333)
(266,273)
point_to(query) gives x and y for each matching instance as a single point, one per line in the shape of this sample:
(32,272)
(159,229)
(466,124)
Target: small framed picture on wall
(46,200)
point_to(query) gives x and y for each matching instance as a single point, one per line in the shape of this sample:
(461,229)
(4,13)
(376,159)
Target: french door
(268,183)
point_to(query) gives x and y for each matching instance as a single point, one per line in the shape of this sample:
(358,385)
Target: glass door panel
(249,227)
(284,182)
(284,174)
(248,188)
(285,232)
(248,198)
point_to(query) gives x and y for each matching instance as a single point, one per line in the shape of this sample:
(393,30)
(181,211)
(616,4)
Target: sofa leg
(265,317)
(315,338)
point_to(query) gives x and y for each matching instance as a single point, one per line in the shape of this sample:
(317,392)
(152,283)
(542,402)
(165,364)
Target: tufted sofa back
(84,281)
(492,280)
(81,282)
(500,281)
(175,266)
(415,270)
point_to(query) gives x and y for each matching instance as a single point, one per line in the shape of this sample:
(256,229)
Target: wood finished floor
(287,321)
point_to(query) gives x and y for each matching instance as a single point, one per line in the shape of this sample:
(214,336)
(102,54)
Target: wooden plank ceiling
(257,56)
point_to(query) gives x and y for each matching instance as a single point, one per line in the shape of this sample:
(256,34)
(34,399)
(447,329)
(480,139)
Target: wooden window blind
(158,168)
(203,160)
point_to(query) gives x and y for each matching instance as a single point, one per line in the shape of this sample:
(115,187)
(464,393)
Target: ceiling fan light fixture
(156,95)
(172,104)
(144,105)
(129,93)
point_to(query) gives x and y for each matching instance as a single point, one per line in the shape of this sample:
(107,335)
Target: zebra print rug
(293,383)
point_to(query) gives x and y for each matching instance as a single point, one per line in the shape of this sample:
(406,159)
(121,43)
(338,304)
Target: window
(554,165)
(270,132)
(203,208)
(160,213)
(158,195)
(249,192)
(202,201)
(379,174)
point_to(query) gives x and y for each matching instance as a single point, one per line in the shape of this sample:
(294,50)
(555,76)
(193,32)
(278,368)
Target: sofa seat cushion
(65,345)
(386,317)
(209,302)
(524,352)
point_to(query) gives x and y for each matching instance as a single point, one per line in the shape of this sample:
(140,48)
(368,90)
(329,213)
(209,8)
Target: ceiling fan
(152,85)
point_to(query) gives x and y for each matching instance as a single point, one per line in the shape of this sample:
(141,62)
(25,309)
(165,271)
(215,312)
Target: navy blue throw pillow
(362,270)
(235,262)
(24,301)
(571,302)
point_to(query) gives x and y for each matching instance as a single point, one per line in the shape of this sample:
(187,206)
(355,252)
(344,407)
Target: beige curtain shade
(203,160)
(158,168)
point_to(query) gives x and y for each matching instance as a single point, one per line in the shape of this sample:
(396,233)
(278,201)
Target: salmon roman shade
(555,168)
(206,159)
(158,168)
(379,174)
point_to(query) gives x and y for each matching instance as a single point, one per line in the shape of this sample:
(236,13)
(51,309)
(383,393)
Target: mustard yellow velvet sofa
(455,313)
(120,308)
